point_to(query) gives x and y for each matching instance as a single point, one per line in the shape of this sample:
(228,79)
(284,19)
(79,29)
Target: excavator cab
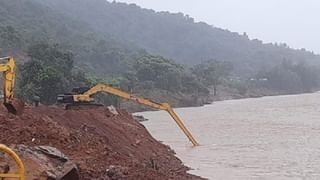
(80,90)
(65,98)
(71,101)
(69,97)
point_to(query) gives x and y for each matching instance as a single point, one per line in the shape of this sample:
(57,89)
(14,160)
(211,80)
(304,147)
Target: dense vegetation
(290,77)
(81,42)
(51,70)
(212,73)
(48,72)
(177,36)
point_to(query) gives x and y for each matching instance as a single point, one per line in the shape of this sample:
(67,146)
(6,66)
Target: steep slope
(98,141)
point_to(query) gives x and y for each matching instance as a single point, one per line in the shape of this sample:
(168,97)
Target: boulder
(42,163)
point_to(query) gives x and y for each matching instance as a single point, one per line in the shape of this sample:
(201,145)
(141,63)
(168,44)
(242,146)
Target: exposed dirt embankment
(103,145)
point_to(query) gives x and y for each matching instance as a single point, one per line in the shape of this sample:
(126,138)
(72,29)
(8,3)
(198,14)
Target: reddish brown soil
(96,141)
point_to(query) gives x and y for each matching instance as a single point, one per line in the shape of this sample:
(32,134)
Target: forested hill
(175,36)
(64,43)
(105,35)
(26,22)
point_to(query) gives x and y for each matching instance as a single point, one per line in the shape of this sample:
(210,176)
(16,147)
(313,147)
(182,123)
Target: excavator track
(82,106)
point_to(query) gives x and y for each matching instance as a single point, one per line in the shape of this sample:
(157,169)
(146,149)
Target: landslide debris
(103,145)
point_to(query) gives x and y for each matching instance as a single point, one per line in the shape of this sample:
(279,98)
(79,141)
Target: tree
(309,76)
(164,73)
(48,72)
(212,73)
(10,38)
(53,56)
(291,77)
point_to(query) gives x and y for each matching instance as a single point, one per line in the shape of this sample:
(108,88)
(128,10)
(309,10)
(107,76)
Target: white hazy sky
(295,22)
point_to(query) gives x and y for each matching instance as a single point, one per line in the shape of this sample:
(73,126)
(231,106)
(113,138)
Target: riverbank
(103,144)
(228,93)
(179,100)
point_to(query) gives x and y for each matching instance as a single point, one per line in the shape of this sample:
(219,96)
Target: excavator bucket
(15,106)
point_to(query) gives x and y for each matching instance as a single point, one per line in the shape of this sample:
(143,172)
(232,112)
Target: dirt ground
(103,145)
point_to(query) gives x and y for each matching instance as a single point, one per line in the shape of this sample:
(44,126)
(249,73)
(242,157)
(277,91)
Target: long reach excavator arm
(86,97)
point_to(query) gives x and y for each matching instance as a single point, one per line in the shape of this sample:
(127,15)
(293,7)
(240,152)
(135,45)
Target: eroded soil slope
(103,145)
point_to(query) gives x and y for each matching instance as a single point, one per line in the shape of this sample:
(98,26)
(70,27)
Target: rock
(52,152)
(117,172)
(44,163)
(139,118)
(113,110)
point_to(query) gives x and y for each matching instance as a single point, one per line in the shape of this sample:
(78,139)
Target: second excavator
(82,97)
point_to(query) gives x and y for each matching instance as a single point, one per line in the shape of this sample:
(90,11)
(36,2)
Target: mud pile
(103,145)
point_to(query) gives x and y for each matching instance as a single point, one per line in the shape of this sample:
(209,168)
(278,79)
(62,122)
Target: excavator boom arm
(9,76)
(86,97)
(111,90)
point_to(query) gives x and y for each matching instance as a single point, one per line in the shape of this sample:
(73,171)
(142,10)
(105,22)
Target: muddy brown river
(264,138)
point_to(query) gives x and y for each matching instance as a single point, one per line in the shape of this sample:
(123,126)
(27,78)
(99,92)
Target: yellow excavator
(14,106)
(82,97)
(20,174)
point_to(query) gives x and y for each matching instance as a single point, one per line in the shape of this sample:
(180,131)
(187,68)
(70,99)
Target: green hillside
(157,54)
(177,36)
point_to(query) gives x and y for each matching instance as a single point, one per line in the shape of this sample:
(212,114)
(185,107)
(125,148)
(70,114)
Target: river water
(263,138)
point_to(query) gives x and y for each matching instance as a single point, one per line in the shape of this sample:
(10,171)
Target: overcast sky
(295,22)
